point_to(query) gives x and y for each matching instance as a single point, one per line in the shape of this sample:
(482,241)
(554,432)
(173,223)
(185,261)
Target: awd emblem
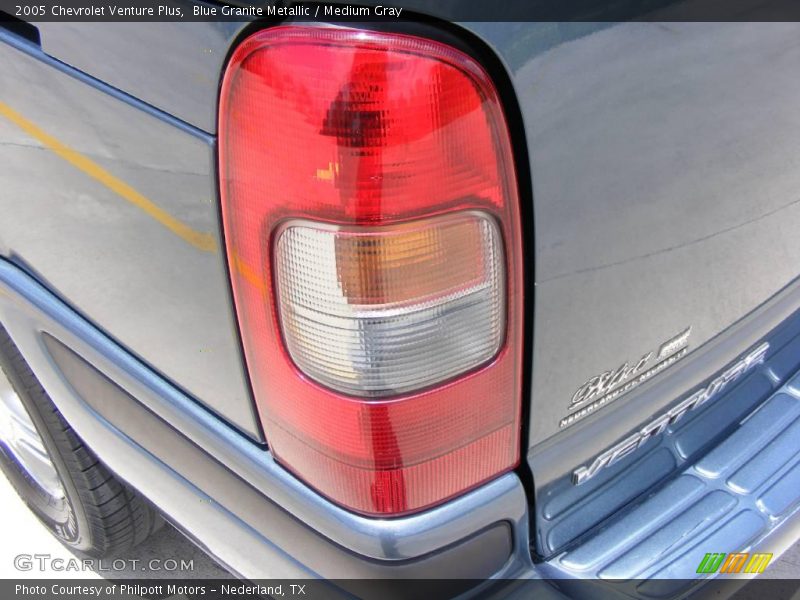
(610,385)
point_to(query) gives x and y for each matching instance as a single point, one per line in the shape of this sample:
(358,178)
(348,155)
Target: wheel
(57,475)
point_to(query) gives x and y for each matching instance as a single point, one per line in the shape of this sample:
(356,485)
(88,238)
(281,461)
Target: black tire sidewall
(67,521)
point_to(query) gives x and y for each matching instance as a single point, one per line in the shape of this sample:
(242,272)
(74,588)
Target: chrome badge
(610,385)
(659,425)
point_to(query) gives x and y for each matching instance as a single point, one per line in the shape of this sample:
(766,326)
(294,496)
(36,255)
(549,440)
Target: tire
(85,506)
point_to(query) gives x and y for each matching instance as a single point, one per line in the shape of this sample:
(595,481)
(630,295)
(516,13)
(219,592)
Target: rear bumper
(229,495)
(224,490)
(742,496)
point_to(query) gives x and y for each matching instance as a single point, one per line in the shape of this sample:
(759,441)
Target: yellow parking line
(200,240)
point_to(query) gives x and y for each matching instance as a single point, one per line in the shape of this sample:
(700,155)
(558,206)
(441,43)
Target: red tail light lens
(371,217)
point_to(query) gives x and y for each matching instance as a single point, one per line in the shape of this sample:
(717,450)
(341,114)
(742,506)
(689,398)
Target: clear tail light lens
(371,218)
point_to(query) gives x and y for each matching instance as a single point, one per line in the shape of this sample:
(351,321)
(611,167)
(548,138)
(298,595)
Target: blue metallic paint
(664,176)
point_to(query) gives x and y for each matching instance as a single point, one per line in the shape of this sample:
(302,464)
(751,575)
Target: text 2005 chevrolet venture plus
(407,299)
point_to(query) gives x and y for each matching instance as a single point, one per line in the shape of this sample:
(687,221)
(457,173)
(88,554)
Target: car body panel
(664,168)
(120,218)
(190,58)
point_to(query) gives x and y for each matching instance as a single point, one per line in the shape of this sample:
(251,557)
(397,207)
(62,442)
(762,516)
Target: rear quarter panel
(112,202)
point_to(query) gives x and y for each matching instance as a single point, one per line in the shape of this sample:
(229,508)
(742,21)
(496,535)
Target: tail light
(371,217)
